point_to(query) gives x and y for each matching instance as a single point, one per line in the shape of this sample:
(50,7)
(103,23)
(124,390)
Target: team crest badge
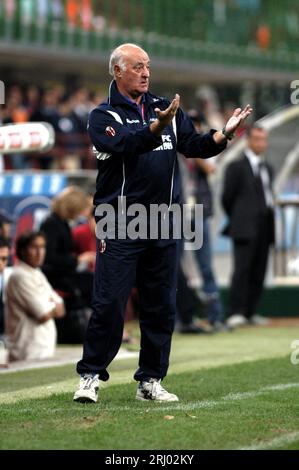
(110,131)
(102,247)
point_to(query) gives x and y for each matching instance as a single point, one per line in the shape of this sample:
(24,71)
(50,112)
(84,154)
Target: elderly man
(136,136)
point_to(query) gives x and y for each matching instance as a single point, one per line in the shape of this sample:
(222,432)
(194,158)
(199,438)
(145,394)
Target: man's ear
(117,71)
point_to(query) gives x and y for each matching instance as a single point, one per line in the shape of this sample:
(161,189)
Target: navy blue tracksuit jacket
(135,164)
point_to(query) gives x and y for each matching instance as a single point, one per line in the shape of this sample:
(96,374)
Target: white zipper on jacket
(174,126)
(171,188)
(122,188)
(174,161)
(119,119)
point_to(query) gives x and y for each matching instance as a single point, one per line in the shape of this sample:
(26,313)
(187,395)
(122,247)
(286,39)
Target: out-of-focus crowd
(67,111)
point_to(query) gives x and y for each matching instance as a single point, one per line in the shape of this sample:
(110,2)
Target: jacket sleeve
(124,141)
(231,187)
(192,144)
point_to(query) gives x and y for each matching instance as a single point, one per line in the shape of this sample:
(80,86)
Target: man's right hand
(59,310)
(165,117)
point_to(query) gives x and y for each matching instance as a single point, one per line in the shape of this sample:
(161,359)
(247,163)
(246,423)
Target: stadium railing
(209,31)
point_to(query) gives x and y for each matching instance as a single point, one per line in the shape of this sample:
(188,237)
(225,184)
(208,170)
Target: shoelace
(157,388)
(87,381)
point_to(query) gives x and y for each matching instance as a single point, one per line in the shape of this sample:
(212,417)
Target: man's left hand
(237,118)
(233,123)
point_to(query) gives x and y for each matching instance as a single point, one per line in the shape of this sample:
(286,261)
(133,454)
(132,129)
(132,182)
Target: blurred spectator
(86,14)
(84,237)
(42,10)
(47,111)
(248,201)
(5,230)
(82,105)
(68,114)
(69,128)
(31,303)
(16,112)
(5,224)
(197,191)
(57,10)
(210,295)
(4,273)
(263,36)
(10,6)
(188,308)
(69,273)
(210,106)
(33,97)
(27,10)
(72,11)
(64,269)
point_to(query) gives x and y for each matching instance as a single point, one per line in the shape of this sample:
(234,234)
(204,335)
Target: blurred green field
(237,390)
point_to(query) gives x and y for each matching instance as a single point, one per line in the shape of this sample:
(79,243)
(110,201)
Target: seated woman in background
(67,271)
(31,303)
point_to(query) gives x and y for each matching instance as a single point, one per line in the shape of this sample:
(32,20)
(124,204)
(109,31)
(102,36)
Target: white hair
(118,57)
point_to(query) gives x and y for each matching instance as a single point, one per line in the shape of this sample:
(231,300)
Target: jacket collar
(117,99)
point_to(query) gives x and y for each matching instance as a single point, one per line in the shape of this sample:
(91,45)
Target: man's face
(35,252)
(4,253)
(134,81)
(258,141)
(5,229)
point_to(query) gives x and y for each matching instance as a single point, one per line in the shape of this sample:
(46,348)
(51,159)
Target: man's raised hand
(237,118)
(165,117)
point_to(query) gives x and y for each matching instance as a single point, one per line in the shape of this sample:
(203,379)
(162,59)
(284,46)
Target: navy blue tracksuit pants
(155,265)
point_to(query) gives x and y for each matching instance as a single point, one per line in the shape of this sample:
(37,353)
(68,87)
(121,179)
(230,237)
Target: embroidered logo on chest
(110,131)
(167,143)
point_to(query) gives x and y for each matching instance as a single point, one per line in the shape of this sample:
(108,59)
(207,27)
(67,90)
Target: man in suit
(248,202)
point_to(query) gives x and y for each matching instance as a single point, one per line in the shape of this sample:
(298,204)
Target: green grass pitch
(237,391)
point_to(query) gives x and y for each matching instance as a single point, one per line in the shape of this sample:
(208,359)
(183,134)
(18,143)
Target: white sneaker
(88,389)
(259,320)
(236,320)
(153,390)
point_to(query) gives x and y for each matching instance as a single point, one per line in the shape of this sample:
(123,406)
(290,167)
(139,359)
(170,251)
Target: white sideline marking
(68,385)
(212,403)
(229,398)
(276,442)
